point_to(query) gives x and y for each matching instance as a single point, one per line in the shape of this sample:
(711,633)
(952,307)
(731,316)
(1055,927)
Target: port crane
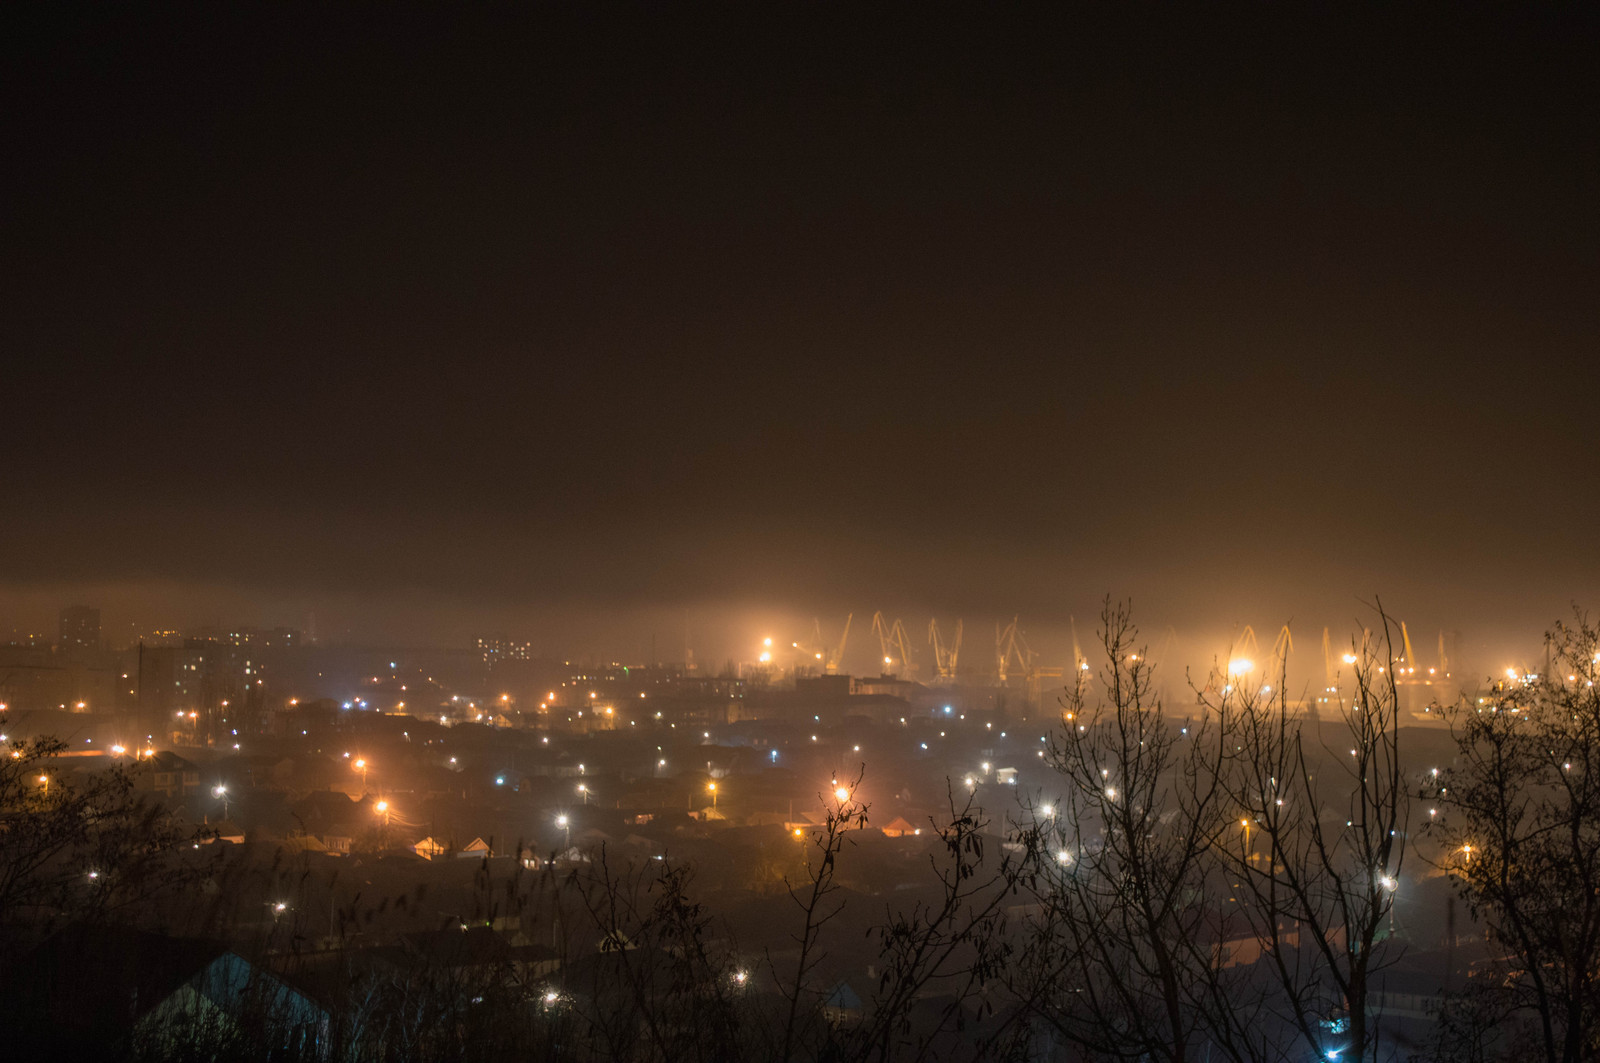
(1243,654)
(945,655)
(1010,646)
(1282,646)
(827,656)
(893,644)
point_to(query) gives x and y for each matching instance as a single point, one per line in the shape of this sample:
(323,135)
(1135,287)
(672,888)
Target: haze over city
(579,325)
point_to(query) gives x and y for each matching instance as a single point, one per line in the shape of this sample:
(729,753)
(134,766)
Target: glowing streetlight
(842,794)
(583,791)
(566,826)
(221,792)
(1241,666)
(360,765)
(713,788)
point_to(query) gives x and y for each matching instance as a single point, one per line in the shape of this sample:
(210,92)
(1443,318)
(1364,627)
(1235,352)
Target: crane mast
(1410,657)
(1330,670)
(880,628)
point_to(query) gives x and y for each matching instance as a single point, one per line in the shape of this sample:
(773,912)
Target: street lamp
(1390,883)
(713,788)
(222,792)
(382,809)
(584,791)
(361,766)
(566,826)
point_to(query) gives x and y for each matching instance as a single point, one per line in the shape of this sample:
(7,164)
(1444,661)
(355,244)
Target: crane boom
(1282,646)
(838,653)
(902,642)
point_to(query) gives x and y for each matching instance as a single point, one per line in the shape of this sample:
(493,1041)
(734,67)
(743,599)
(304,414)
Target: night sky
(593,325)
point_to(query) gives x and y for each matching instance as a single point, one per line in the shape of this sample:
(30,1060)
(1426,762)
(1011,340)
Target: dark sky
(567,320)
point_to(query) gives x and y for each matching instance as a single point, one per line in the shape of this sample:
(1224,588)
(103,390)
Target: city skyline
(800,533)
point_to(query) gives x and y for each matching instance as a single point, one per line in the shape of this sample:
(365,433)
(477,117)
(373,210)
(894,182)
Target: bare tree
(76,847)
(957,945)
(817,906)
(1123,959)
(664,985)
(1520,834)
(1320,841)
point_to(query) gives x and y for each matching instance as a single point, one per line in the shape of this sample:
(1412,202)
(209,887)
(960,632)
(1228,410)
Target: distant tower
(80,629)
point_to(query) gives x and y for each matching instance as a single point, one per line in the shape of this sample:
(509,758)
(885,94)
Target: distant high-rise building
(496,648)
(80,629)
